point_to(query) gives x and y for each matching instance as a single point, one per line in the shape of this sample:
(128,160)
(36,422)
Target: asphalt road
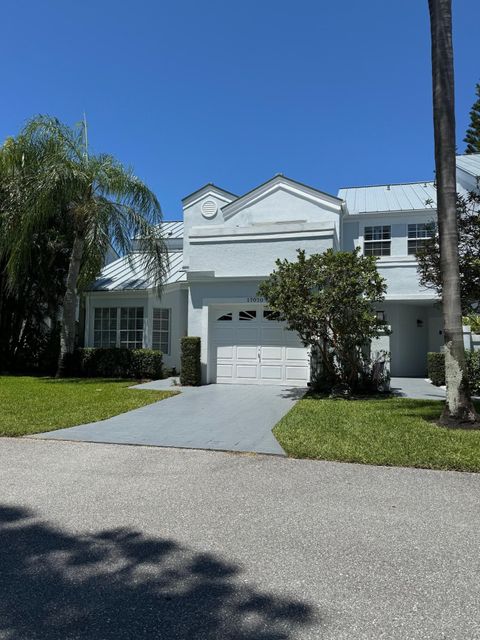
(123,542)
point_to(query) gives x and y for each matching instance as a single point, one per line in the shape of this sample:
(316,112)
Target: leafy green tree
(429,267)
(472,137)
(328,299)
(459,409)
(28,335)
(101,202)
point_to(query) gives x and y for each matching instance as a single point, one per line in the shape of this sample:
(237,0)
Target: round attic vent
(209,208)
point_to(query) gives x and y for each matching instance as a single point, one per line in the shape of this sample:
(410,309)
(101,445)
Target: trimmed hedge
(117,363)
(190,373)
(436,369)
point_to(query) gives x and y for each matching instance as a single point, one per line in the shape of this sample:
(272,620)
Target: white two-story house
(227,244)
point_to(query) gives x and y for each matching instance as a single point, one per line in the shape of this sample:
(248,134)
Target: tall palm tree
(102,202)
(459,410)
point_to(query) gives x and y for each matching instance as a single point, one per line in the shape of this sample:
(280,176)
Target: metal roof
(124,274)
(172,229)
(413,196)
(470,163)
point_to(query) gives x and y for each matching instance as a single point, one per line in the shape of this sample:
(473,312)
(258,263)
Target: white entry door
(250,347)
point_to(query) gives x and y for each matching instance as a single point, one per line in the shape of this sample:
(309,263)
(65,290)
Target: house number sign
(257,300)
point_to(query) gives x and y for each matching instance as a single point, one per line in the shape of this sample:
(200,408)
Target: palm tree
(459,410)
(102,202)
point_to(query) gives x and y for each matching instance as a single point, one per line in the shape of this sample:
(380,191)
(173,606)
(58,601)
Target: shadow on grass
(120,584)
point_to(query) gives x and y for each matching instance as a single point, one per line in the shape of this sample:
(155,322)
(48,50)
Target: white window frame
(134,324)
(384,242)
(116,317)
(419,240)
(103,316)
(161,331)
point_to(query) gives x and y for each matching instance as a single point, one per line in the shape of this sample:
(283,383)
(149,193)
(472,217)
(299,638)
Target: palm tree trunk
(67,324)
(459,410)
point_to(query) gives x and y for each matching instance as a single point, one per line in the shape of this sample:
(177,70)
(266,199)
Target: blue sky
(333,93)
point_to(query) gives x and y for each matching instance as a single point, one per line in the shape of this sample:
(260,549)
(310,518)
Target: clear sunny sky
(333,93)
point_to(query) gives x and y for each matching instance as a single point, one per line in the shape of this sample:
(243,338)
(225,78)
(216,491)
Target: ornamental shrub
(473,368)
(117,363)
(190,373)
(436,368)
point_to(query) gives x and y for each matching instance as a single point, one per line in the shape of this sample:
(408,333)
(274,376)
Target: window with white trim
(418,234)
(105,327)
(161,330)
(273,316)
(131,327)
(377,240)
(247,315)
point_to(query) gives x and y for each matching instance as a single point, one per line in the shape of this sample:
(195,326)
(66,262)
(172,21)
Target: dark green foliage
(116,363)
(473,368)
(468,221)
(329,300)
(191,373)
(436,368)
(472,137)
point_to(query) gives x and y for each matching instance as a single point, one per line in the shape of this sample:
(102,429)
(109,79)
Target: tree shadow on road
(57,585)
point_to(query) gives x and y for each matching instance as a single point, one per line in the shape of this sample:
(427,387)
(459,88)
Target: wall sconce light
(381,316)
(419,323)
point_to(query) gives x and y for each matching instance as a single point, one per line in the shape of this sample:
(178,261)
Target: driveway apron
(221,417)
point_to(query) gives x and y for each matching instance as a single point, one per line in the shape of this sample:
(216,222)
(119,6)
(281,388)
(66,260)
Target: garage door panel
(268,372)
(295,353)
(272,335)
(224,370)
(225,335)
(246,371)
(246,353)
(271,353)
(255,351)
(247,336)
(296,373)
(225,351)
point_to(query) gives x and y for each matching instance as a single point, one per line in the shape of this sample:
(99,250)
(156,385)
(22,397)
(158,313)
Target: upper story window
(161,330)
(418,234)
(377,240)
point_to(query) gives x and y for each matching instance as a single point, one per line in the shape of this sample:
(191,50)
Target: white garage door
(251,347)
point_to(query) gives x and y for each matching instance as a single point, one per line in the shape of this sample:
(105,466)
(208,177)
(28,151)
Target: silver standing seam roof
(389,197)
(409,196)
(124,274)
(172,229)
(470,163)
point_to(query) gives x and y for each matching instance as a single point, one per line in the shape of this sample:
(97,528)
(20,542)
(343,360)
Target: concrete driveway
(111,542)
(416,388)
(222,417)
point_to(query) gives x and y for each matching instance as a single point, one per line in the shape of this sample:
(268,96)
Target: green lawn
(32,405)
(390,431)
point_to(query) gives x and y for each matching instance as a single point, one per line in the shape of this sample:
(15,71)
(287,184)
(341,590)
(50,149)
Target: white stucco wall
(243,256)
(174,298)
(281,208)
